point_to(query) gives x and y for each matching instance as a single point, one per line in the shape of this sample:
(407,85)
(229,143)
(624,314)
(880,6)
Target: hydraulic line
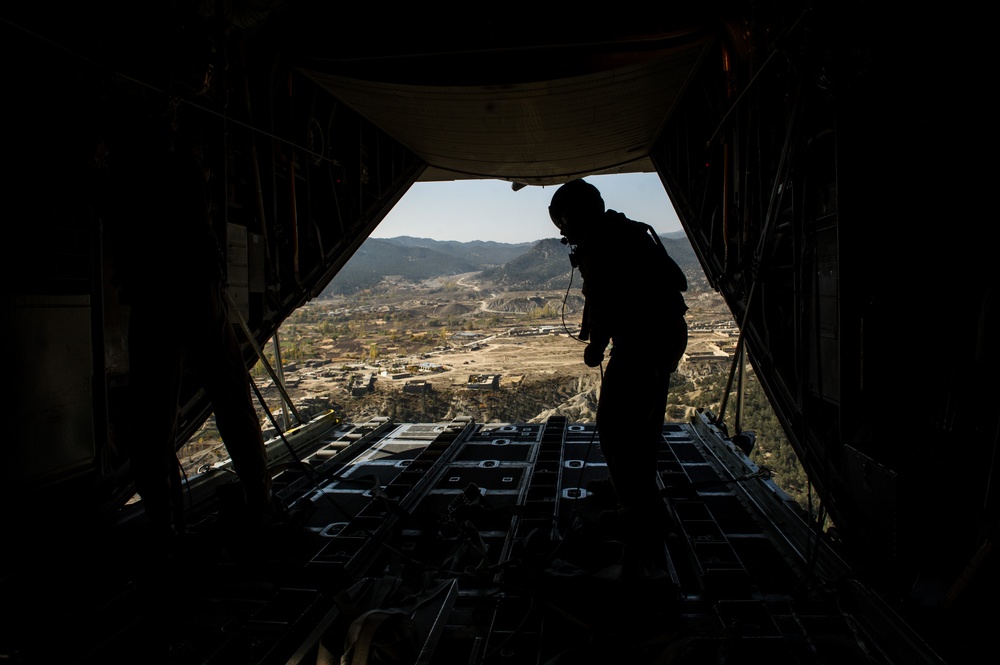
(774,205)
(260,354)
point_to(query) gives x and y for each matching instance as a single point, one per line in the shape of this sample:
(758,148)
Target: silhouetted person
(171,272)
(633,301)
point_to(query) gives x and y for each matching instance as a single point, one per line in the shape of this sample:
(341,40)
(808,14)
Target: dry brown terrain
(447,338)
(444,337)
(523,358)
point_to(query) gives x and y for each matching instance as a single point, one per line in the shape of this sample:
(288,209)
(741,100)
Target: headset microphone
(572,253)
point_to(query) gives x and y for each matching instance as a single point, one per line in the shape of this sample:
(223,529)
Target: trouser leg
(630,417)
(220,363)
(154,372)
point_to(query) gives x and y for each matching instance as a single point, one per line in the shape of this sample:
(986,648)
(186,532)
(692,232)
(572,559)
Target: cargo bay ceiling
(501,96)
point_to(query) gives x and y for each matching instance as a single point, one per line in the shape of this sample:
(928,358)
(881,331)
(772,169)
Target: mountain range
(542,265)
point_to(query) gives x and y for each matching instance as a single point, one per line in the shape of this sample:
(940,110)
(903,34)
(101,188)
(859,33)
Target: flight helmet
(574,207)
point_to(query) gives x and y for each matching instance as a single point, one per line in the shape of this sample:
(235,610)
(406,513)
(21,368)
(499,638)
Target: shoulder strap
(676,274)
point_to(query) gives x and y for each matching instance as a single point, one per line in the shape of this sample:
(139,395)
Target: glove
(593,355)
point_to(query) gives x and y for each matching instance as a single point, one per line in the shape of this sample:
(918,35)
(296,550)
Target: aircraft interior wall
(833,207)
(298,180)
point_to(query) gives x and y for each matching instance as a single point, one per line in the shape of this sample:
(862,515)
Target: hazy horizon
(469,210)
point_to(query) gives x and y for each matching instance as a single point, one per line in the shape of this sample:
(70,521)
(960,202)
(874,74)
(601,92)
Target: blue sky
(489,210)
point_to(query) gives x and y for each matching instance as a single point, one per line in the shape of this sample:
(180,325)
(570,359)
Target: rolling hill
(543,265)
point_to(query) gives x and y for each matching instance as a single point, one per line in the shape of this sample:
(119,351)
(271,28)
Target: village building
(362,384)
(417,387)
(483,382)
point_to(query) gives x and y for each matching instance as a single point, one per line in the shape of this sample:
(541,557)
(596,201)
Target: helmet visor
(558,219)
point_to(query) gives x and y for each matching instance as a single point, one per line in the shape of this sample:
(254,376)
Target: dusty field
(515,359)
(468,332)
(539,374)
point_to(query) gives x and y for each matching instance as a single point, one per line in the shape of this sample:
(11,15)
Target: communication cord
(593,436)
